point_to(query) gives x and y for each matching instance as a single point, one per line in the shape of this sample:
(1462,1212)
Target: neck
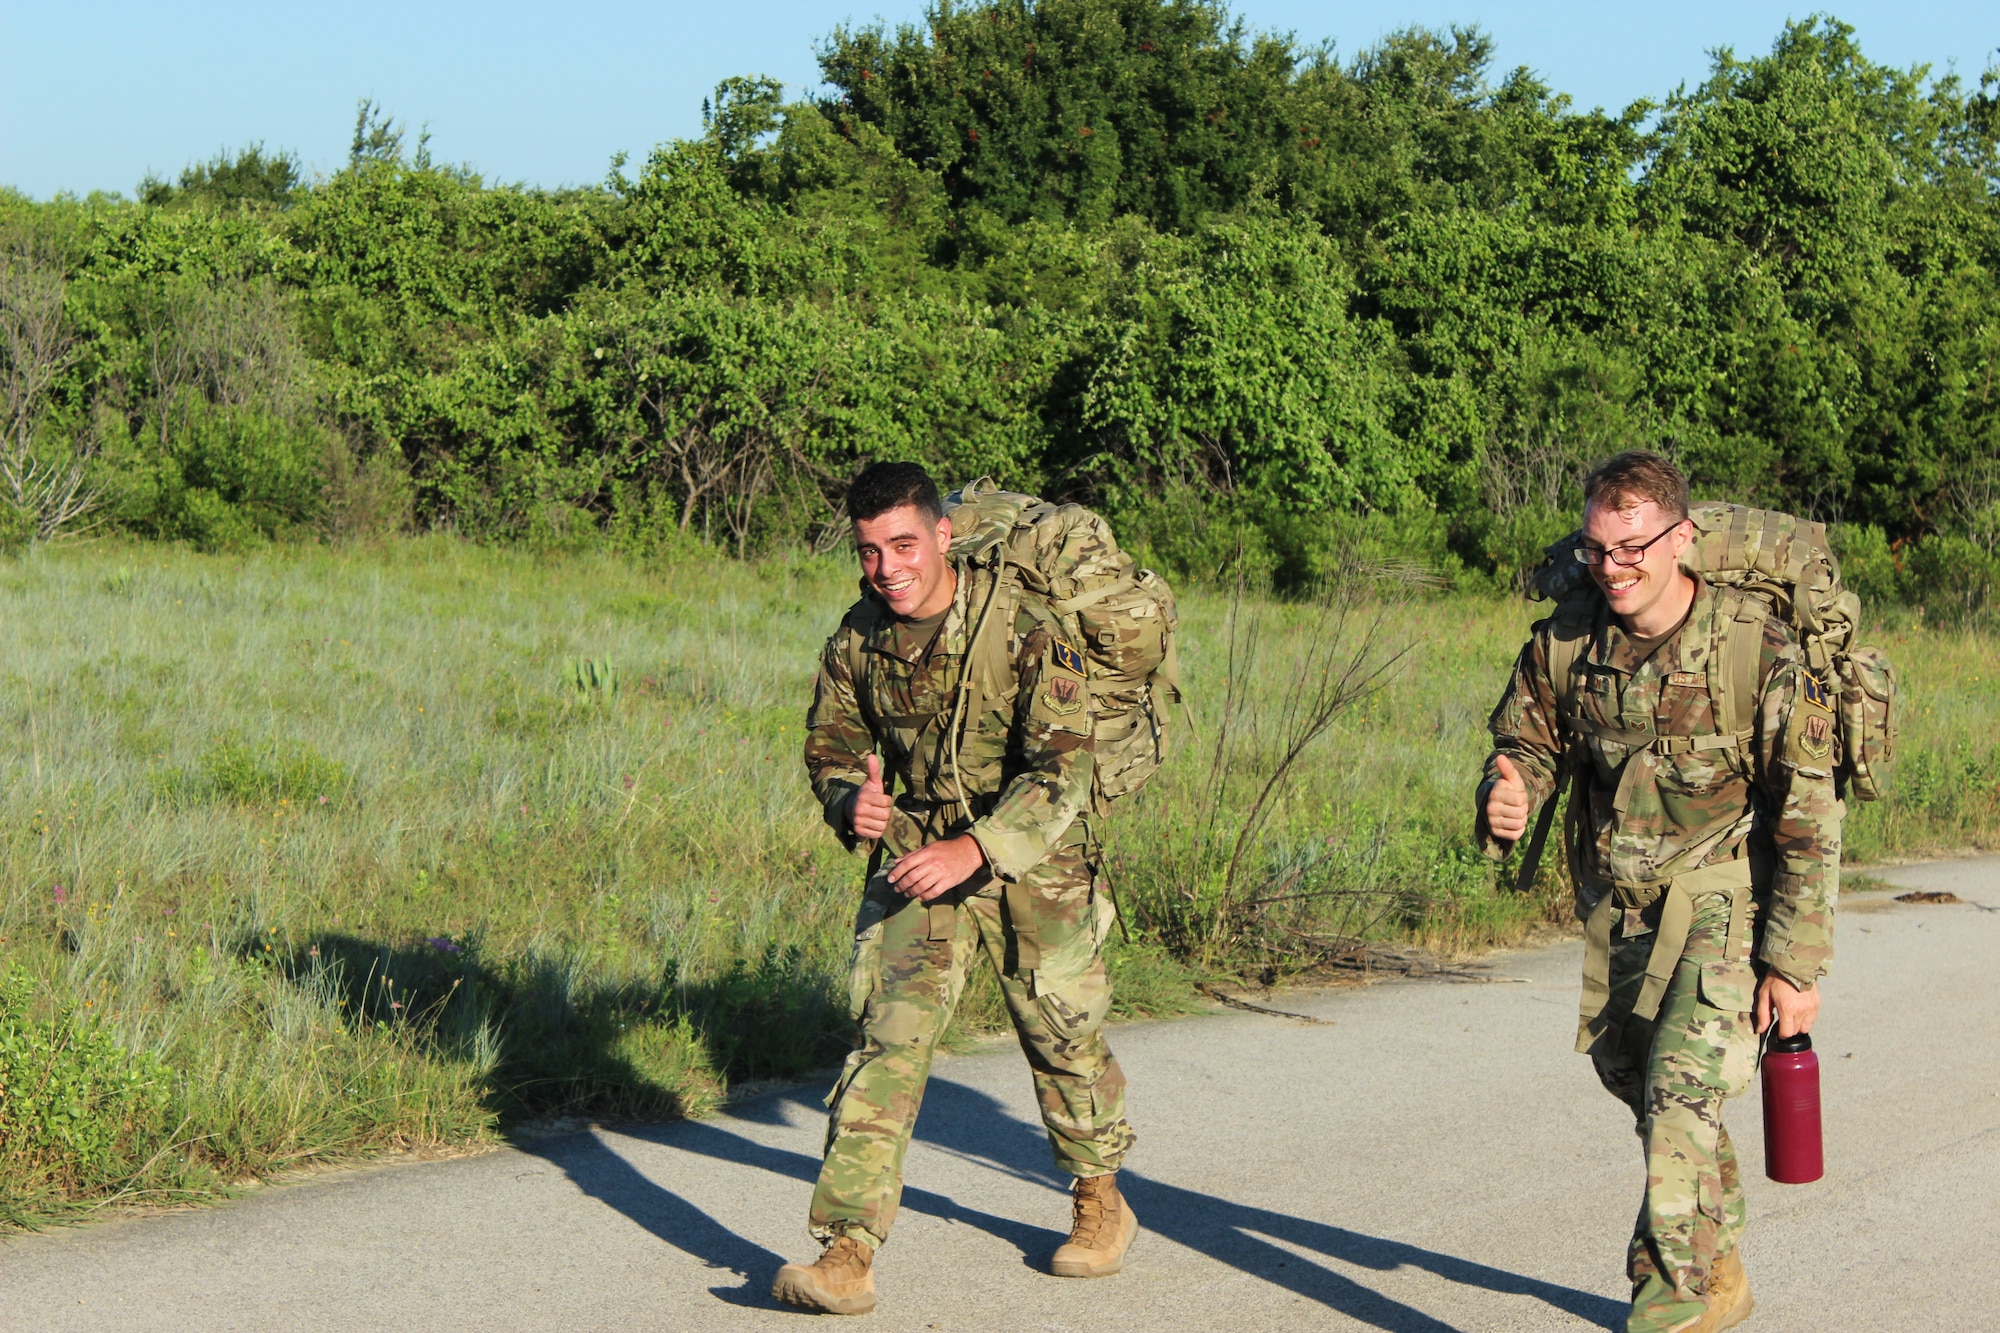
(1663,615)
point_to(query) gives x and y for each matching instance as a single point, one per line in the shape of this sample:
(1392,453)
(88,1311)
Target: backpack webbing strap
(854,650)
(1654,741)
(1669,939)
(1732,669)
(1565,651)
(1531,860)
(968,698)
(1095,595)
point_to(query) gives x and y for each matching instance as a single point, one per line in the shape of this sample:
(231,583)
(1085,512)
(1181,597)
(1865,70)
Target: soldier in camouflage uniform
(985,846)
(1702,863)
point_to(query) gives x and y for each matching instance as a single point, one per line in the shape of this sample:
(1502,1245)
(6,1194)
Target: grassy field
(320,851)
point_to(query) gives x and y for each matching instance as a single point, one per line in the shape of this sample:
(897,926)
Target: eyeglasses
(1620,555)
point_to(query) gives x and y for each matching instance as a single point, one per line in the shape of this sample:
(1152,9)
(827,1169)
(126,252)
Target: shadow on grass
(971,1125)
(554,1039)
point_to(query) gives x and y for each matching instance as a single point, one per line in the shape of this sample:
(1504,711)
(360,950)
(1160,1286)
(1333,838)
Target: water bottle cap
(1790,1045)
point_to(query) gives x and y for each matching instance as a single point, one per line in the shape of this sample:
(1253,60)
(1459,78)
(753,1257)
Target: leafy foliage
(1124,251)
(75,1107)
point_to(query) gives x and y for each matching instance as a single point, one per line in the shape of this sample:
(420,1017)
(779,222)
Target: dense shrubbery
(1250,298)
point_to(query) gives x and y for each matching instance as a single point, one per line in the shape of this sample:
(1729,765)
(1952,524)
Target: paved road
(1434,1160)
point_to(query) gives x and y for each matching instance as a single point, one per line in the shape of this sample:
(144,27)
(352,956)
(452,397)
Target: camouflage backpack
(1765,564)
(1124,616)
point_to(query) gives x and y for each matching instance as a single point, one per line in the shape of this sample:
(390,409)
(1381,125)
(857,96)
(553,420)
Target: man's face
(1632,590)
(903,560)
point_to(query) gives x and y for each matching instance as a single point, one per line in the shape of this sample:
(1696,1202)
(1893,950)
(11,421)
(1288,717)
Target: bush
(1867,565)
(222,478)
(76,1109)
(240,774)
(1952,578)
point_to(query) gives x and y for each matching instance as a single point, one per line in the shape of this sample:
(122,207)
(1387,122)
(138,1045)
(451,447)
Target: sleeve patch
(1816,735)
(1061,695)
(1066,657)
(1815,693)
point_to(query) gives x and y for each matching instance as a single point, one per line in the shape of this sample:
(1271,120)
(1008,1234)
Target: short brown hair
(1634,477)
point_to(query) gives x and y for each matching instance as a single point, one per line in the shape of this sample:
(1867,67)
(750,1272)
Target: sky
(94,94)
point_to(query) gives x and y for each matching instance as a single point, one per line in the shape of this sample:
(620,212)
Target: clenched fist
(868,809)
(1507,802)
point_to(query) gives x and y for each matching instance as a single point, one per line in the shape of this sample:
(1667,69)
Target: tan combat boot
(840,1281)
(1101,1230)
(1729,1301)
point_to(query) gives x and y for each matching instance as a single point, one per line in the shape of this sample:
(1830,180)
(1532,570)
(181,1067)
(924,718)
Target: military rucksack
(1764,564)
(1123,615)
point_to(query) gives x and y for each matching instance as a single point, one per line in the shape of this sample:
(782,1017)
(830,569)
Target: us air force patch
(1066,657)
(1816,693)
(1816,739)
(1061,695)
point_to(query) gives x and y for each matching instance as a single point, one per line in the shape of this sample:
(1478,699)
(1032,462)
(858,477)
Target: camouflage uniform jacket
(1651,816)
(1025,762)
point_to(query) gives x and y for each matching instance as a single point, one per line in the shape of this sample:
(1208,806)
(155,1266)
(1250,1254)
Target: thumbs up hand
(868,809)
(1507,802)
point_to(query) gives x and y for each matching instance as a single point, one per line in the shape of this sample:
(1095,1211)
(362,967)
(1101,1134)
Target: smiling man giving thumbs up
(951,727)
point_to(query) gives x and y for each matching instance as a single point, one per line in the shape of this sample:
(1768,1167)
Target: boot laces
(845,1258)
(1091,1207)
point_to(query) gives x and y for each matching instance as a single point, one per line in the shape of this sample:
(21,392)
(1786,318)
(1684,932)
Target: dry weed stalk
(1216,900)
(37,344)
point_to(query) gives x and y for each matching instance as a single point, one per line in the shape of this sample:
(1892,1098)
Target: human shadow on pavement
(600,1172)
(972,1125)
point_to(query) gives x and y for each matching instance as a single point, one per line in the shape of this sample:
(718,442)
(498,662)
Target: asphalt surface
(1435,1159)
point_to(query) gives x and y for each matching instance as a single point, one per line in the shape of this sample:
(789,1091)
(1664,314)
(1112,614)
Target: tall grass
(332,850)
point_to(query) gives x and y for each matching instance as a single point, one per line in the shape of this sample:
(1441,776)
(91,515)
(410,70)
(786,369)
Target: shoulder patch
(1815,693)
(1816,736)
(1066,657)
(1062,696)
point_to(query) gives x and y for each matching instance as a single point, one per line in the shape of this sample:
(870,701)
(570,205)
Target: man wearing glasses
(1704,841)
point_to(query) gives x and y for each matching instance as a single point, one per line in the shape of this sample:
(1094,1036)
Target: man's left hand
(1795,1009)
(937,868)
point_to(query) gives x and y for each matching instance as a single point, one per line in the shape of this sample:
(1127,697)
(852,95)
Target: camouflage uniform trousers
(1674,1073)
(910,966)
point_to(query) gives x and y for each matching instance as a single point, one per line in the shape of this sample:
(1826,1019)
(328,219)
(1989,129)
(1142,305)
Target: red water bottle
(1792,1154)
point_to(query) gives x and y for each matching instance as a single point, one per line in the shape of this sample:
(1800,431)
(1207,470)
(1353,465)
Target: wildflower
(444,945)
(62,895)
(395,1004)
(322,800)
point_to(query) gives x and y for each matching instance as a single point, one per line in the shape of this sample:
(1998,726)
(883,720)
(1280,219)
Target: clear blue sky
(95,93)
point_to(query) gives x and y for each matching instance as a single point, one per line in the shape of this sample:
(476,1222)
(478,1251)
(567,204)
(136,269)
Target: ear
(944,534)
(1683,536)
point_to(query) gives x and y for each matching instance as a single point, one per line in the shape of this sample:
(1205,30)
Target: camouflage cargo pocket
(1868,721)
(1066,934)
(1728,986)
(864,969)
(1128,745)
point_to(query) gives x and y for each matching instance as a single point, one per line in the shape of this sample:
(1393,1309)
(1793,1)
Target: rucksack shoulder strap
(861,620)
(1733,663)
(1571,629)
